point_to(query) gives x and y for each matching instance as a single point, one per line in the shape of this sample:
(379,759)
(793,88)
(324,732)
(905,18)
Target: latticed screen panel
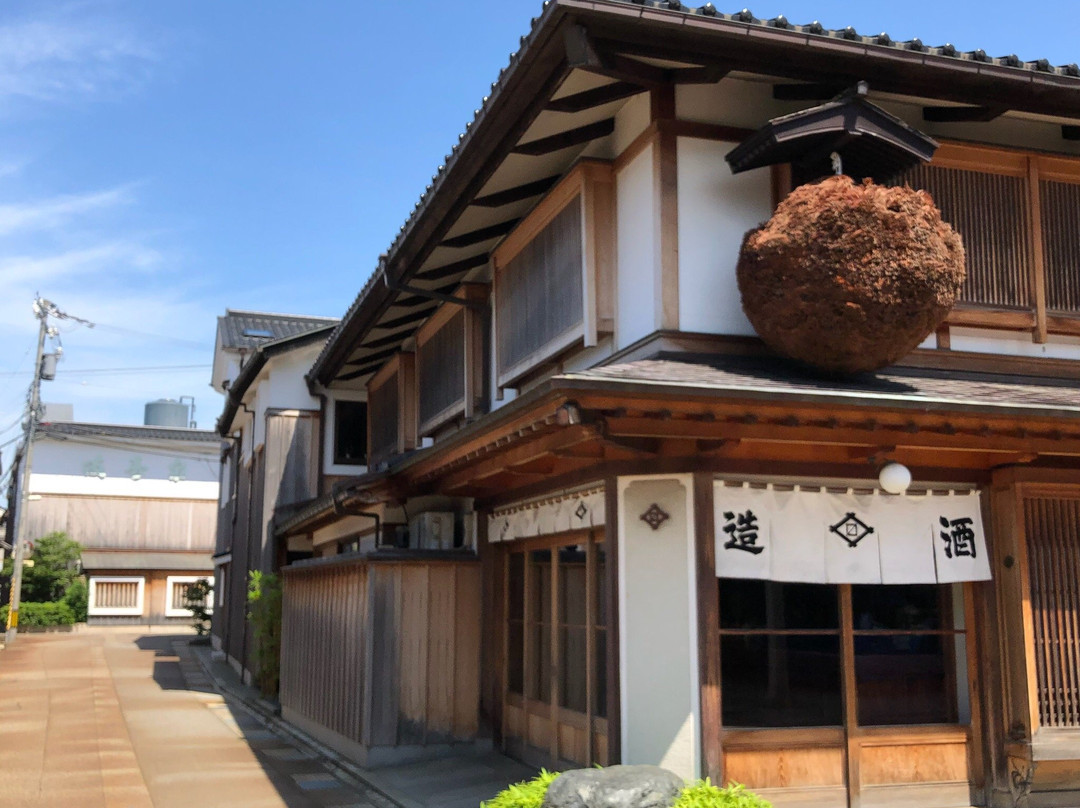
(1060,203)
(990,212)
(384,414)
(1052,528)
(116,594)
(539,292)
(178,596)
(441,366)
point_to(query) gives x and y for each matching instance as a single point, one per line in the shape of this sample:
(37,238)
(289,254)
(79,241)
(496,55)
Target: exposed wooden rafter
(808,92)
(481,235)
(370,358)
(564,140)
(415,316)
(596,97)
(516,194)
(456,268)
(963,114)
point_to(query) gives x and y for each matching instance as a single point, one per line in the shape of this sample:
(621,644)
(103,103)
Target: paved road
(125,719)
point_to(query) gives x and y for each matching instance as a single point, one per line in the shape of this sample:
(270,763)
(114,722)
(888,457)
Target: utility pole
(41,311)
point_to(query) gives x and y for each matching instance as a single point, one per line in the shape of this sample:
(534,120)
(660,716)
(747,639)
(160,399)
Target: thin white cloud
(71,55)
(51,213)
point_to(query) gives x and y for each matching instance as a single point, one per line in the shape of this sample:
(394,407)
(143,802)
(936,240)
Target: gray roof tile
(240,329)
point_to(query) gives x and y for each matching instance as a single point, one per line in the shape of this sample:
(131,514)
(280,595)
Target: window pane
(515,652)
(746,604)
(781,681)
(572,585)
(540,570)
(350,432)
(901,608)
(601,584)
(572,684)
(540,635)
(600,704)
(903,679)
(515,598)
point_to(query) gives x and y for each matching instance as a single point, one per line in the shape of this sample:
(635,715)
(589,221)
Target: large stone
(614,787)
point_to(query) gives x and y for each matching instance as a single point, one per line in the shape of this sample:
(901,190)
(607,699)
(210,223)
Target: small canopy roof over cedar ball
(871,142)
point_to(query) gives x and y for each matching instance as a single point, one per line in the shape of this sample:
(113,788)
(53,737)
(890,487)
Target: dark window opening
(350,433)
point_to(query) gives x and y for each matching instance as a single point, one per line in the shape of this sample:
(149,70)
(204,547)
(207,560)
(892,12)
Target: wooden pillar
(708,628)
(614,699)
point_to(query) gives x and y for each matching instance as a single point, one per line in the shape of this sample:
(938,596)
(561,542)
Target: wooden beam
(596,97)
(483,234)
(419,300)
(564,140)
(963,114)
(394,339)
(456,268)
(397,322)
(1070,132)
(378,356)
(518,193)
(808,92)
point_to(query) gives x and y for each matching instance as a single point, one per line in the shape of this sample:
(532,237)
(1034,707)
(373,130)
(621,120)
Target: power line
(112,371)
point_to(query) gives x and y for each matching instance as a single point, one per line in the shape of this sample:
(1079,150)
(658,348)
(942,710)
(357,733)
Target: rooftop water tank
(166,412)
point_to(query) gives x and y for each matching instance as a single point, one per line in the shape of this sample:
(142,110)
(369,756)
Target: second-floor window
(553,275)
(350,433)
(1019,217)
(391,414)
(450,360)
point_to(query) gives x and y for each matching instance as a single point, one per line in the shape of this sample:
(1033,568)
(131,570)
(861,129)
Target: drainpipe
(341,509)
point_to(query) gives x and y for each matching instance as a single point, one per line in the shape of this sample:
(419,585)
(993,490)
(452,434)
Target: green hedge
(41,615)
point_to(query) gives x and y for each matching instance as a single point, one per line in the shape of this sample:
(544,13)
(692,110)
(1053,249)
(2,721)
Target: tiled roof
(905,387)
(652,11)
(132,432)
(275,326)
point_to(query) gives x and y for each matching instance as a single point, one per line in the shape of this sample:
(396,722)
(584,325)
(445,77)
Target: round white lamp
(894,478)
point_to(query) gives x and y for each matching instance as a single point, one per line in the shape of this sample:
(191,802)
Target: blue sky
(162,160)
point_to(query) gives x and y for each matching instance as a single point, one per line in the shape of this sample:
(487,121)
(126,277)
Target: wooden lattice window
(1052,531)
(450,361)
(553,274)
(391,409)
(115,596)
(1019,216)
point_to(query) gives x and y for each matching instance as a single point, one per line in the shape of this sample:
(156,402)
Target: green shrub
(197,598)
(264,610)
(704,794)
(527,794)
(77,597)
(41,615)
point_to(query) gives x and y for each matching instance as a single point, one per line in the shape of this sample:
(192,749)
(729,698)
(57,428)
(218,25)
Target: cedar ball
(850,278)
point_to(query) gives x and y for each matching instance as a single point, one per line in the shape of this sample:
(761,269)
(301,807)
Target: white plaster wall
(79,485)
(151,460)
(281,386)
(716,208)
(658,652)
(635,315)
(732,102)
(630,121)
(1012,343)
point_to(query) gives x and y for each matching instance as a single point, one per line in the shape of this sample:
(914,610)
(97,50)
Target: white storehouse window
(116,596)
(176,587)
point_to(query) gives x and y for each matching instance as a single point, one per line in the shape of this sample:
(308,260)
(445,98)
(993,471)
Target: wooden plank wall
(384,653)
(324,614)
(126,523)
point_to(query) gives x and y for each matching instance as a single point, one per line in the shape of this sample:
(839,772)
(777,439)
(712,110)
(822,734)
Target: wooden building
(600,522)
(140,501)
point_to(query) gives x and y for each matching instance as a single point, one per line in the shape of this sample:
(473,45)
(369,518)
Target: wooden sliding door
(554,655)
(847,695)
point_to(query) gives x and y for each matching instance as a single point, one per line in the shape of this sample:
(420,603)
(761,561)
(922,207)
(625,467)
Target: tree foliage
(264,610)
(56,566)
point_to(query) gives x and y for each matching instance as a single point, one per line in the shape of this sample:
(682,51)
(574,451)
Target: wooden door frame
(592,537)
(713,735)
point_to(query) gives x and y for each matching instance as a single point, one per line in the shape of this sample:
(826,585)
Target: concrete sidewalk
(127,719)
(462,781)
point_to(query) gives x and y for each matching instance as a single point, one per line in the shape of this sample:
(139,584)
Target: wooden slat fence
(383,653)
